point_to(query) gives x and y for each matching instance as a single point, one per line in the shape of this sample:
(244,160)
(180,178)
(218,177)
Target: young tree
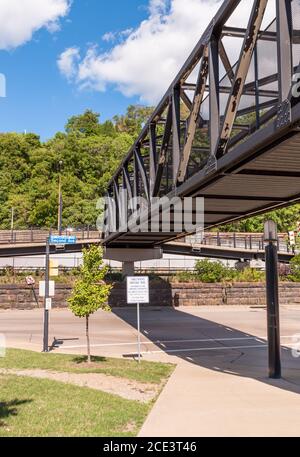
(90,292)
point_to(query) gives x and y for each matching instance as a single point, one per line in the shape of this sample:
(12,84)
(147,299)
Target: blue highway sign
(62,240)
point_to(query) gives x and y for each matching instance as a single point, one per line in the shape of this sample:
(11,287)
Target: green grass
(31,407)
(35,407)
(151,372)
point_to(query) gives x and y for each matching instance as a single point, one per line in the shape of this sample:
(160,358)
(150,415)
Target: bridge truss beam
(216,106)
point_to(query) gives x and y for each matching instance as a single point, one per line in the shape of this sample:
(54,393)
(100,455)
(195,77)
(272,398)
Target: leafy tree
(286,220)
(132,122)
(90,152)
(87,123)
(90,292)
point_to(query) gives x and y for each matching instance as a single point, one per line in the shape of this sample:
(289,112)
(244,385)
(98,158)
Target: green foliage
(88,124)
(29,171)
(286,220)
(185,276)
(208,271)
(295,269)
(212,272)
(90,292)
(134,119)
(249,275)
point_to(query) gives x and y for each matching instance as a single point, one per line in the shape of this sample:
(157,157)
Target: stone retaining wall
(249,294)
(162,294)
(22,297)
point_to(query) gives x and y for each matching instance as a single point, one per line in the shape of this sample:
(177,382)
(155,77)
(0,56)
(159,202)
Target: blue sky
(61,57)
(38,98)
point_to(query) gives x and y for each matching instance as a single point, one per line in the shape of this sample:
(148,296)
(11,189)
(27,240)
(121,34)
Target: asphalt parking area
(185,333)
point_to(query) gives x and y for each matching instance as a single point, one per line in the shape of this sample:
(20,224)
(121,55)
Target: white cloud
(109,36)
(158,7)
(67,62)
(19,19)
(148,59)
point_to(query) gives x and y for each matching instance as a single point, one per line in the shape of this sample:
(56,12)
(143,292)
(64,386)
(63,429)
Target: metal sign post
(46,310)
(139,332)
(137,294)
(57,241)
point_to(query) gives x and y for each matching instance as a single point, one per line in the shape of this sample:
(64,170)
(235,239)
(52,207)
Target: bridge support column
(128,269)
(130,255)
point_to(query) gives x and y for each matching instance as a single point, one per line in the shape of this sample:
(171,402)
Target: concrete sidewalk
(202,402)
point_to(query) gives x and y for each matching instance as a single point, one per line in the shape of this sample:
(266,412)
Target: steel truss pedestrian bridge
(227,129)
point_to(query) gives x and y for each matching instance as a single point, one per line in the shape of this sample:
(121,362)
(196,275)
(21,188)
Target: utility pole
(12,223)
(60,200)
(46,310)
(271,237)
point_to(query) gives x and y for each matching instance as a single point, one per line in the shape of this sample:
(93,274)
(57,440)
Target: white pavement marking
(147,343)
(219,348)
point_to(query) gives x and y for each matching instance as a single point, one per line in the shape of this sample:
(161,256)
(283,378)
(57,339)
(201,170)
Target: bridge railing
(248,241)
(36,236)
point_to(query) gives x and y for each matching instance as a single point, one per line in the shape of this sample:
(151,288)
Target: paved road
(220,386)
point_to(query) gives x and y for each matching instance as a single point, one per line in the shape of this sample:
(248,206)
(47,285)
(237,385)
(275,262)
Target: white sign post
(137,294)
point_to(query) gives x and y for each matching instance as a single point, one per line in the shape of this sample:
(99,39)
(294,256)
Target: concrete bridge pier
(128,269)
(128,256)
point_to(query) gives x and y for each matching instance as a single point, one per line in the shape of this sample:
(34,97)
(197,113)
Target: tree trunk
(88,340)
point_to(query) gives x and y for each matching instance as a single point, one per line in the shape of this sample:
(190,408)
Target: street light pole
(271,238)
(60,200)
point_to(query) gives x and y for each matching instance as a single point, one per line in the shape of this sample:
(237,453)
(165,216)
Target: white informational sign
(42,288)
(48,304)
(137,290)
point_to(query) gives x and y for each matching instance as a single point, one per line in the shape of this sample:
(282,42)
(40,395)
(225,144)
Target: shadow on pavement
(58,342)
(211,345)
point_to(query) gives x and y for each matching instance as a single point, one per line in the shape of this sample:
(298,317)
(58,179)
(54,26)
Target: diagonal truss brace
(195,111)
(143,174)
(164,149)
(249,44)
